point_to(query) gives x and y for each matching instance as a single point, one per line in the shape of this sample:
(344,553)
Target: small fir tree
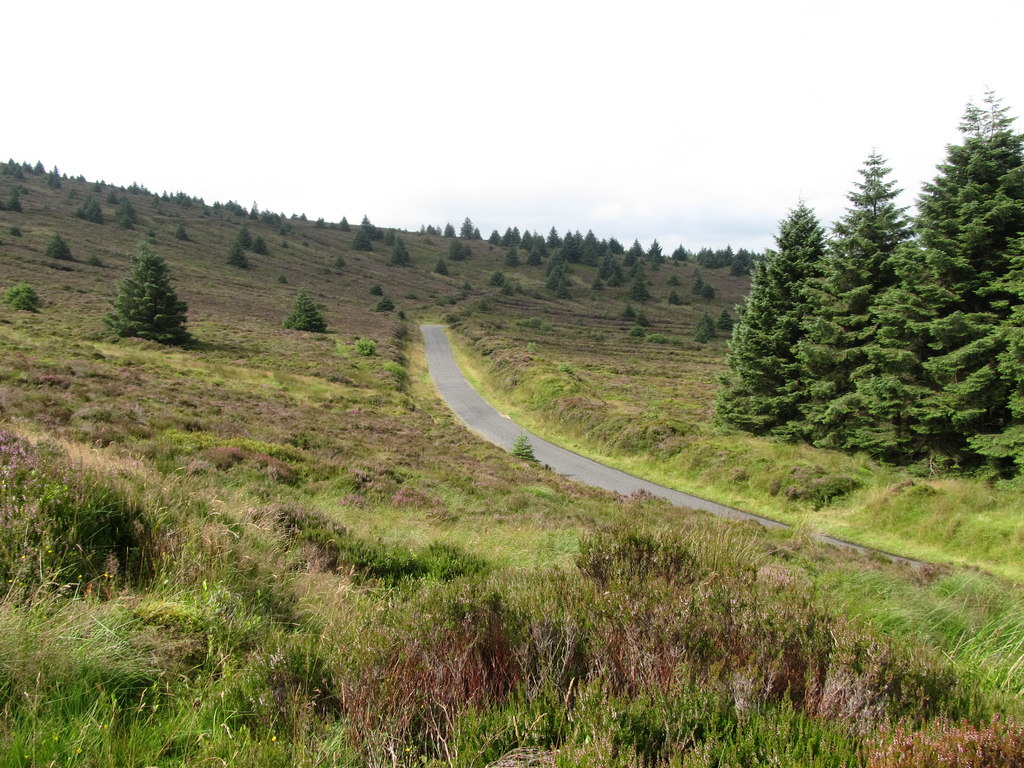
(399,253)
(705,329)
(146,305)
(305,315)
(384,304)
(441,267)
(362,240)
(522,449)
(90,210)
(58,248)
(237,257)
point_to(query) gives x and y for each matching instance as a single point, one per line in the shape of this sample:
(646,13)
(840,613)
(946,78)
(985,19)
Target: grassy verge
(943,520)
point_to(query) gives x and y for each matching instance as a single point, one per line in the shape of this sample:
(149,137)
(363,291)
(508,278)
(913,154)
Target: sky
(693,123)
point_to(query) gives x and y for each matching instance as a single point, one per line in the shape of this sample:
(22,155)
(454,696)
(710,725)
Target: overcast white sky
(697,123)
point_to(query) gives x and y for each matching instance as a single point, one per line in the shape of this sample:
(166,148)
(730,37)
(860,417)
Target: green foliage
(244,238)
(366,347)
(497,278)
(146,305)
(13,203)
(305,315)
(384,304)
(237,257)
(344,226)
(522,449)
(458,251)
(362,241)
(441,268)
(22,296)
(180,233)
(763,391)
(90,211)
(399,253)
(259,245)
(725,321)
(57,248)
(61,526)
(638,288)
(705,329)
(127,218)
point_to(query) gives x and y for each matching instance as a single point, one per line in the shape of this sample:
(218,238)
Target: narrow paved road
(477,414)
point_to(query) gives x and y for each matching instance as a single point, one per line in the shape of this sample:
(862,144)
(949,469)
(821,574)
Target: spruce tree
(441,268)
(840,351)
(362,240)
(763,389)
(705,329)
(305,315)
(90,211)
(522,449)
(638,289)
(237,257)
(971,219)
(58,248)
(147,306)
(399,253)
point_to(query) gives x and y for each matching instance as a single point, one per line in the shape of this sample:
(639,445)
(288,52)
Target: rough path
(477,414)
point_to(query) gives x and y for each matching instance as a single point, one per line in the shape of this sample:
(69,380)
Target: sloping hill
(277,548)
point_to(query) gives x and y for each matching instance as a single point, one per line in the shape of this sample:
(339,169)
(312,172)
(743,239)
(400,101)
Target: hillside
(270,548)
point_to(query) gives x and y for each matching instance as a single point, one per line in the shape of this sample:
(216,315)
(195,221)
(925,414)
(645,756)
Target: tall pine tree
(841,328)
(970,222)
(764,389)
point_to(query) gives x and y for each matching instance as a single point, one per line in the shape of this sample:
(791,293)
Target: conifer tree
(971,219)
(841,330)
(441,268)
(361,241)
(147,305)
(237,257)
(399,253)
(522,449)
(763,389)
(244,238)
(90,211)
(127,218)
(705,329)
(305,315)
(344,226)
(467,229)
(58,248)
(534,258)
(259,245)
(638,289)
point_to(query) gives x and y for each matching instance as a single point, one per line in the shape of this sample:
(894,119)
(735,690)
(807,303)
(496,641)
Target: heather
(275,546)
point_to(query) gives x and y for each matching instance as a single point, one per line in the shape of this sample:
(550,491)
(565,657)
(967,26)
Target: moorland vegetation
(269,545)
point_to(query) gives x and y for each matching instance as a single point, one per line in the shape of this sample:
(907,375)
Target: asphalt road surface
(477,414)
